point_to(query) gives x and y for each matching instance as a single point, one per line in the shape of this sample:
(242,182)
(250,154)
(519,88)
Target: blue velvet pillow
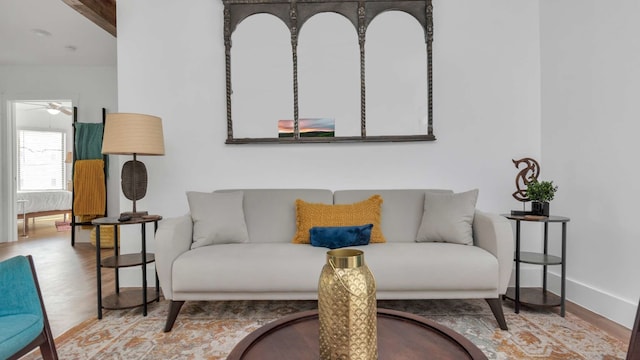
(334,237)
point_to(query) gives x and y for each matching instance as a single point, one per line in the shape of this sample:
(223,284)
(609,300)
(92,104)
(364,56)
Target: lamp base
(134,215)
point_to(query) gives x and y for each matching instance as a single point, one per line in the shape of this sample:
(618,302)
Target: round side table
(537,296)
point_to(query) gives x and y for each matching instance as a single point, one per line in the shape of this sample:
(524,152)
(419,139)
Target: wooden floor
(67,277)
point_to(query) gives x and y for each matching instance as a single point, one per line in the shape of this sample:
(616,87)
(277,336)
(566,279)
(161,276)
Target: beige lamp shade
(128,133)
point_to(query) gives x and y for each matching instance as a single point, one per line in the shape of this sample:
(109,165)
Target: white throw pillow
(448,217)
(218,218)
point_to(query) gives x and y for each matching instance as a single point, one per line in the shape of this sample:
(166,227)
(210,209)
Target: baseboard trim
(612,307)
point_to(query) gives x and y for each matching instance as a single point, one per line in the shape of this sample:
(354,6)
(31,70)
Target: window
(41,160)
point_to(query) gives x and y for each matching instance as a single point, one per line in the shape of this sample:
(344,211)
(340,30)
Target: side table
(537,296)
(127,298)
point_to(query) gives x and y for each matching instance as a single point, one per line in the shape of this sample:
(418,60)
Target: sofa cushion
(16,331)
(406,267)
(401,211)
(218,218)
(271,213)
(290,268)
(364,212)
(249,267)
(448,217)
(334,237)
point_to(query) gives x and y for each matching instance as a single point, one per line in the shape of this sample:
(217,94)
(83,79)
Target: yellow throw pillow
(364,212)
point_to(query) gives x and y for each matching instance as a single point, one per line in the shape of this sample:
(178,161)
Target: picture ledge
(337,139)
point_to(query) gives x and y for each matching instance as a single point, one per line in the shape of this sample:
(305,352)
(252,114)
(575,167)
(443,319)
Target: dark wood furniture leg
(44,342)
(634,343)
(496,307)
(174,309)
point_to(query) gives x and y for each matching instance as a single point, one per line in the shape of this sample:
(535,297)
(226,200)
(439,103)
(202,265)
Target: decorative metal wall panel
(294,14)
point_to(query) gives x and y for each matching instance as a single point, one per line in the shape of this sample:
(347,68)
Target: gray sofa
(270,267)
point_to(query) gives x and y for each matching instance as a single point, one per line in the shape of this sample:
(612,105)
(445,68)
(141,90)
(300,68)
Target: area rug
(210,330)
(63,226)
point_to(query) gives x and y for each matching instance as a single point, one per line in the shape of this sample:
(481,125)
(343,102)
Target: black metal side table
(127,298)
(537,296)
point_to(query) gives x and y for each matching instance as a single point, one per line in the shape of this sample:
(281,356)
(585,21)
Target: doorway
(42,139)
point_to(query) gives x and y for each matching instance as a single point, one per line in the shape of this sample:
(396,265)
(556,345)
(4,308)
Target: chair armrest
(173,238)
(493,233)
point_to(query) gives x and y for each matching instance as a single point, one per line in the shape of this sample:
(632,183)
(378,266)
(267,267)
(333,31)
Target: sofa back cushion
(448,218)
(270,214)
(402,210)
(218,218)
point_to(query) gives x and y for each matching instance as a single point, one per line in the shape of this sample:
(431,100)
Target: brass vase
(347,308)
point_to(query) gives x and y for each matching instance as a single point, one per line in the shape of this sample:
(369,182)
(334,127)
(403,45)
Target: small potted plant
(540,193)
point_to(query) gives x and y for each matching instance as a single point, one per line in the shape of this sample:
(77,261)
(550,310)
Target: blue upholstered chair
(23,319)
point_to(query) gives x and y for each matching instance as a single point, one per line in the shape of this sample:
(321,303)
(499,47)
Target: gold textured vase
(347,308)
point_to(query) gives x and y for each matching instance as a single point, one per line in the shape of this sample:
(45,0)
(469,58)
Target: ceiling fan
(53,108)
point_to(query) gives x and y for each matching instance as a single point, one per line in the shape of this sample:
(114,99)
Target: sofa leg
(496,307)
(174,309)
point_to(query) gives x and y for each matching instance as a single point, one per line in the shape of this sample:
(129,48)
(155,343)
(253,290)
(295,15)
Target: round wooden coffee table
(401,335)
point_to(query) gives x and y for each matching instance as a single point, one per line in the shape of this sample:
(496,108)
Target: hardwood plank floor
(67,277)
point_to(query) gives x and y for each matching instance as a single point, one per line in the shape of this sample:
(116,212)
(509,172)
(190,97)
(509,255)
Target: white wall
(590,89)
(486,108)
(90,88)
(486,104)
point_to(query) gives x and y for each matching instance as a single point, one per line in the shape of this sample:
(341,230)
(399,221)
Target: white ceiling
(39,105)
(20,45)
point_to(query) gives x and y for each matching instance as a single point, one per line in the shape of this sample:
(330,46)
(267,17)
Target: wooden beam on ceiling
(100,12)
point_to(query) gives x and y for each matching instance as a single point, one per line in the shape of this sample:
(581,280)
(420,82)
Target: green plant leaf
(542,191)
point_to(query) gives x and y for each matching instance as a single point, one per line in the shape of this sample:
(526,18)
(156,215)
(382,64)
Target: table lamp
(133,134)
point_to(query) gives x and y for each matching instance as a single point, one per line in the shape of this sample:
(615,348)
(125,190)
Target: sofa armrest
(493,233)
(174,237)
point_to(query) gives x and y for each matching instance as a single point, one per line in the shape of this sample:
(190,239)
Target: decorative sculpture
(528,174)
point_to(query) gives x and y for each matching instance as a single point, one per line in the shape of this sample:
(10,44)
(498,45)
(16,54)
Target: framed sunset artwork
(315,127)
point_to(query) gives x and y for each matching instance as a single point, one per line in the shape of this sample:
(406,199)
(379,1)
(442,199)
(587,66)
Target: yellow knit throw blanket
(106,236)
(88,184)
